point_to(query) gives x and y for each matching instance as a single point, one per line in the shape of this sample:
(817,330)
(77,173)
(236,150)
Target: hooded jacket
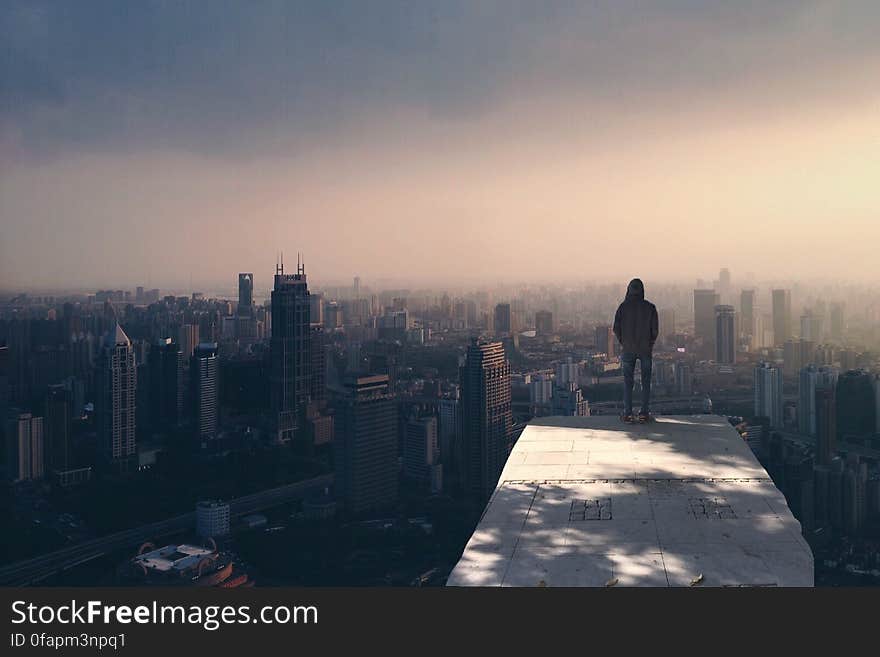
(635,322)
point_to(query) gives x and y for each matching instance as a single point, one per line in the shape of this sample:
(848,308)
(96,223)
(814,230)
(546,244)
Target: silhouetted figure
(636,327)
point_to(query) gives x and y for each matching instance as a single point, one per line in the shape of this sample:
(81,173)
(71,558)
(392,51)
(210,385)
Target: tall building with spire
(245,295)
(115,404)
(290,352)
(486,418)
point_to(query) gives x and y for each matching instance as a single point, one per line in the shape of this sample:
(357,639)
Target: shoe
(645,417)
(629,419)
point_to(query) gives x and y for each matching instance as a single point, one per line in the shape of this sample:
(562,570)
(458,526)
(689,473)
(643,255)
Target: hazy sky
(154,142)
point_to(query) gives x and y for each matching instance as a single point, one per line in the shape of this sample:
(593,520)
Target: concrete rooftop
(589,501)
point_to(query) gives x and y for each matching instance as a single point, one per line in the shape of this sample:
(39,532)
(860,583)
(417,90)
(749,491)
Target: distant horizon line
(381,284)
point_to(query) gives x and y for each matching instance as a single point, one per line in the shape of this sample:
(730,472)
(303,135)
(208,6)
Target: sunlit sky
(162,142)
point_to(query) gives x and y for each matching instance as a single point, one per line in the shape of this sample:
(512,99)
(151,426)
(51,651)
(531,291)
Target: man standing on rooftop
(636,327)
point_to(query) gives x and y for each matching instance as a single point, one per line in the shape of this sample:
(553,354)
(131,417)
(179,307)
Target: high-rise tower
(204,371)
(768,393)
(486,418)
(245,295)
(165,367)
(725,335)
(290,352)
(116,386)
(366,445)
(781,316)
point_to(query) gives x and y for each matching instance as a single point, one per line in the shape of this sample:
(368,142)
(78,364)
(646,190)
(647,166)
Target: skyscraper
(366,445)
(26,439)
(811,326)
(165,367)
(449,427)
(316,309)
(245,295)
(724,285)
(59,402)
(204,371)
(781,316)
(796,354)
(115,404)
(704,319)
(810,380)
(747,314)
(856,405)
(502,319)
(544,322)
(825,404)
(290,352)
(420,448)
(768,393)
(486,418)
(318,373)
(725,335)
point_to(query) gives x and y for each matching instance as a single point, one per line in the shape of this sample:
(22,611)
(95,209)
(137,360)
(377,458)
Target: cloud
(228,78)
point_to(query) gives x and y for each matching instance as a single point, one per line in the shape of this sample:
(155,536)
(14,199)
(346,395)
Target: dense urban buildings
(408,396)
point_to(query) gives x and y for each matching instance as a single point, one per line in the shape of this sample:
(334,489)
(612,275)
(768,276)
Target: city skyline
(427,143)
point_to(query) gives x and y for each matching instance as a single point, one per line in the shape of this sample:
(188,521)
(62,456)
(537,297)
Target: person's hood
(635,289)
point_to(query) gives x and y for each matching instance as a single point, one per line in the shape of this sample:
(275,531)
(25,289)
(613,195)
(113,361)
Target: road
(30,571)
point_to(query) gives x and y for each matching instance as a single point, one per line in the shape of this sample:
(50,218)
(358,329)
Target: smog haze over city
(168,144)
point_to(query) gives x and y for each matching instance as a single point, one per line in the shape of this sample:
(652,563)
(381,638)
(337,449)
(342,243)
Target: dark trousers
(628,365)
